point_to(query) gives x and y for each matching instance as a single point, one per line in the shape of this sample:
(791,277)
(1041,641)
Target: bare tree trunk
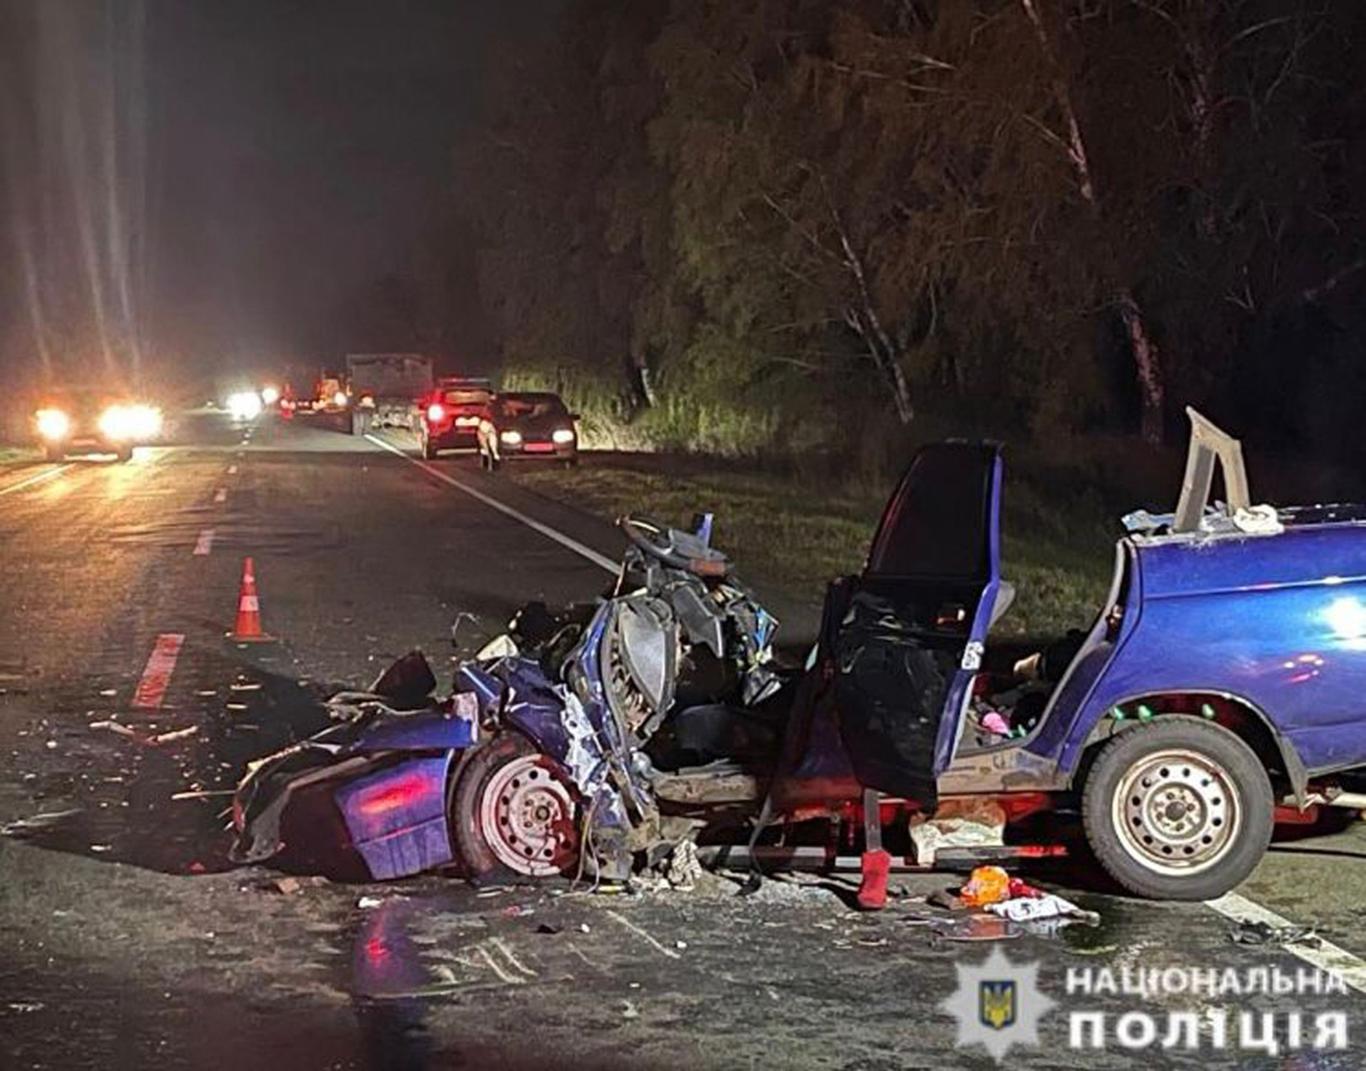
(1147,364)
(885,357)
(1152,391)
(885,352)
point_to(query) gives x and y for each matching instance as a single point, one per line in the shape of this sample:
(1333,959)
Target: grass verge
(792,534)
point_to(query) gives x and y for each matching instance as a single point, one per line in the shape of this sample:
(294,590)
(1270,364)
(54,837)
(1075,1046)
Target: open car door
(911,638)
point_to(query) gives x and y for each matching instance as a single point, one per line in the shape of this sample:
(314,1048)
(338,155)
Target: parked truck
(387,389)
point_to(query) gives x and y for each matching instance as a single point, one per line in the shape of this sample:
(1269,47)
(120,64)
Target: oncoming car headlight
(512,438)
(563,436)
(53,424)
(126,423)
(245,405)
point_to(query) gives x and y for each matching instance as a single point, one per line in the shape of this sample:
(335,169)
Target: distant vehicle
(452,413)
(104,422)
(389,389)
(527,425)
(330,394)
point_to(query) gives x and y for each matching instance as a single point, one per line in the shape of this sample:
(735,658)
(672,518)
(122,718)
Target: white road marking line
(221,495)
(156,677)
(559,537)
(205,542)
(1328,957)
(30,481)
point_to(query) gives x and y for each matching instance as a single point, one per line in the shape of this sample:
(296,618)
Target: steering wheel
(665,545)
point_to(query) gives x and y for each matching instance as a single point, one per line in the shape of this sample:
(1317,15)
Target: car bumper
(538,452)
(454,438)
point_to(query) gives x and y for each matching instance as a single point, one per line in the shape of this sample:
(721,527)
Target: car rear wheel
(1178,809)
(515,813)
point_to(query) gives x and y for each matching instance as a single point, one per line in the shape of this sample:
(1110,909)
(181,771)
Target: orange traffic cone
(248,628)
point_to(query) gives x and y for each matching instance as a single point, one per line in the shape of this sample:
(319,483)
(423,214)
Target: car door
(911,639)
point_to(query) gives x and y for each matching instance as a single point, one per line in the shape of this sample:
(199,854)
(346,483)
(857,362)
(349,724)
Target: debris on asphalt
(985,885)
(23,826)
(172,736)
(201,793)
(115,727)
(945,899)
(1042,907)
(292,885)
(1248,932)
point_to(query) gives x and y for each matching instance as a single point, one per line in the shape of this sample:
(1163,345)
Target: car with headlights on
(527,425)
(95,422)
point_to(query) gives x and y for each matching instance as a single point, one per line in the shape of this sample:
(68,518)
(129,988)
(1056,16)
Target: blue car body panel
(1276,621)
(397,816)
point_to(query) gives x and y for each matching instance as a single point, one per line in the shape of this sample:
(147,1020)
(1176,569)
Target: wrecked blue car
(1220,682)
(539,763)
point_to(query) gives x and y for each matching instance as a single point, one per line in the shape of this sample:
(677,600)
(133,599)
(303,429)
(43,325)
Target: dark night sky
(293,152)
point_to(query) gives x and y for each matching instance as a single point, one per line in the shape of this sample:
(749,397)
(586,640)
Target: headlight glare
(53,424)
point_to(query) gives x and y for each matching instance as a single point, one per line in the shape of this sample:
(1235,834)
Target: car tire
(429,450)
(515,814)
(1177,809)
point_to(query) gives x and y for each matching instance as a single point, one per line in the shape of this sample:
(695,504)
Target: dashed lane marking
(232,470)
(204,543)
(31,480)
(1317,952)
(156,677)
(221,495)
(600,560)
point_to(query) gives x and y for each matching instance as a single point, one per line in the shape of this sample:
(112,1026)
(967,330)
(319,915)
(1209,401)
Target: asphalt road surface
(128,941)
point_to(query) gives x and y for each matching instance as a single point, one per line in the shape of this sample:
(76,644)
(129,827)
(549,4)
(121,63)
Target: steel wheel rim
(526,816)
(1177,812)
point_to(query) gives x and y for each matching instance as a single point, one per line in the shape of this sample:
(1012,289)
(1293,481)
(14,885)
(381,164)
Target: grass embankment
(794,533)
(13,454)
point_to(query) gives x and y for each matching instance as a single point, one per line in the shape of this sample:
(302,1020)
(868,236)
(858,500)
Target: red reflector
(391,796)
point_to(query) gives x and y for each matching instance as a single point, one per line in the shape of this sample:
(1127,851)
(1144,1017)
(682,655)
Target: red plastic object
(872,890)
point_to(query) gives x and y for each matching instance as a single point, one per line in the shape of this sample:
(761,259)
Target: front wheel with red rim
(515,813)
